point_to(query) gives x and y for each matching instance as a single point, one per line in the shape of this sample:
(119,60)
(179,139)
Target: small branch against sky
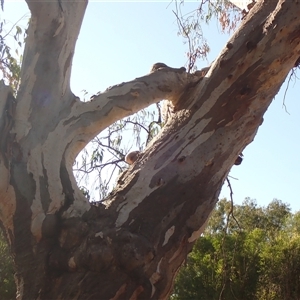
(231,212)
(293,75)
(190,29)
(225,267)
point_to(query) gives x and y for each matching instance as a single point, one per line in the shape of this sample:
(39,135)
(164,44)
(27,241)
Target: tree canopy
(256,258)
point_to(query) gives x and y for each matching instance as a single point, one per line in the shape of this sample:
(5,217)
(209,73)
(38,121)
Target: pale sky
(120,41)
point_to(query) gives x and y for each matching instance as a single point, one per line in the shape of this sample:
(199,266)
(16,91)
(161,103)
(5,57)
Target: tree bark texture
(132,245)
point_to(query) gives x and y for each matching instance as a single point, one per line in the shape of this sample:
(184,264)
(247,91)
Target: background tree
(132,245)
(258,260)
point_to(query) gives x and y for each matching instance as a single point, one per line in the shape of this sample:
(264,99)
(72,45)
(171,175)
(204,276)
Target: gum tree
(131,245)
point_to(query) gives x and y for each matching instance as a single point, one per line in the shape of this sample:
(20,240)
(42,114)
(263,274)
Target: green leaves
(259,260)
(10,61)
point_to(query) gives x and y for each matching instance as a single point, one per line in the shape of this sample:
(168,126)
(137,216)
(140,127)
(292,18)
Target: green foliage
(259,258)
(280,268)
(7,283)
(10,61)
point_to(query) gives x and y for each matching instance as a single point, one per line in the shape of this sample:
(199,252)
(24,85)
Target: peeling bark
(131,246)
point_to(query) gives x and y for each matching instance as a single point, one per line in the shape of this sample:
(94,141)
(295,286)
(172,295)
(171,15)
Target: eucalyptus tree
(131,245)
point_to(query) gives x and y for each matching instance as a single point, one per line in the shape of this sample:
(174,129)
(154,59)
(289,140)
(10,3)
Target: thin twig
(286,89)
(91,169)
(231,208)
(13,26)
(187,36)
(137,124)
(113,149)
(230,214)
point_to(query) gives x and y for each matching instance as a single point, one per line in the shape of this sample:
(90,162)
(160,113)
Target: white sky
(120,41)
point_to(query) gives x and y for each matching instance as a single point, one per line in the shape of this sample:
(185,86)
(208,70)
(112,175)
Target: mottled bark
(131,246)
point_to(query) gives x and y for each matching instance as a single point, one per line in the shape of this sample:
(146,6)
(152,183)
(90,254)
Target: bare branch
(186,35)
(92,168)
(286,89)
(230,213)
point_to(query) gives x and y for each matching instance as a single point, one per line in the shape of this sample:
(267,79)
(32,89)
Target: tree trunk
(132,245)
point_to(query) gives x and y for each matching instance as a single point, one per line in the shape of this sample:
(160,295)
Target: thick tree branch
(90,118)
(49,50)
(87,119)
(183,170)
(231,100)
(132,246)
